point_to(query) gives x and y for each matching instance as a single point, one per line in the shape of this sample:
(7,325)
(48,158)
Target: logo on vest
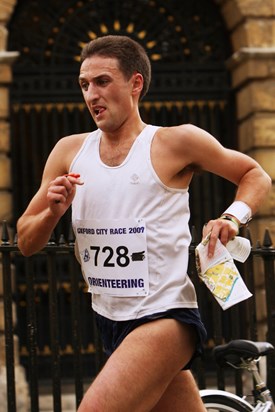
(134,179)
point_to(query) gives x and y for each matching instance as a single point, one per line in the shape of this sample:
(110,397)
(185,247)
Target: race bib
(113,255)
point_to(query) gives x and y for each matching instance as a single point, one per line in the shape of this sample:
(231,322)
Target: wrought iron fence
(54,321)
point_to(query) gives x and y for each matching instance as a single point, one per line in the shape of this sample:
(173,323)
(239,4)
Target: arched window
(187,44)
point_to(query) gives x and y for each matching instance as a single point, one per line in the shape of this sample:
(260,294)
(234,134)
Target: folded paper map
(220,273)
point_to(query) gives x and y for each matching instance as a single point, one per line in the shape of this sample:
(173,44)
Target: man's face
(107,93)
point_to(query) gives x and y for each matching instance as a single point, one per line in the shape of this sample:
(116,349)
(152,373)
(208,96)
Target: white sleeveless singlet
(132,233)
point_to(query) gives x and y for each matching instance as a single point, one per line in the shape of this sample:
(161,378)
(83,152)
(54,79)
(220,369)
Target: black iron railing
(55,325)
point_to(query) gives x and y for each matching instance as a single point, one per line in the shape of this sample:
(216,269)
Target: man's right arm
(35,226)
(54,197)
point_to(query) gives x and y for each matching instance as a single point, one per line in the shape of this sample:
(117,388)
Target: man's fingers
(74,178)
(218,229)
(63,187)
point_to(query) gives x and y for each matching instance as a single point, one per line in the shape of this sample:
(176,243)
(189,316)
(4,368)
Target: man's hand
(222,229)
(61,192)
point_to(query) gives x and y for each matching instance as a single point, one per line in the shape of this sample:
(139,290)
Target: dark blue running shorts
(113,332)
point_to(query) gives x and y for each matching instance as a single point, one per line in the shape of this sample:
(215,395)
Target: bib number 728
(112,257)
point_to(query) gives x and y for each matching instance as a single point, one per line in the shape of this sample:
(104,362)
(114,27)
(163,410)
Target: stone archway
(187,45)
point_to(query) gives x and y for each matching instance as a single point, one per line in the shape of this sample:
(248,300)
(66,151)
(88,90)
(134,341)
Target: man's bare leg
(141,369)
(181,395)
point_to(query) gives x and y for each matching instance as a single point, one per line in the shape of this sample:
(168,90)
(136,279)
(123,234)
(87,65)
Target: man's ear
(137,83)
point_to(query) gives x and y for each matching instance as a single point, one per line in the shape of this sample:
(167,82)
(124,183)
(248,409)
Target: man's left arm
(252,183)
(253,187)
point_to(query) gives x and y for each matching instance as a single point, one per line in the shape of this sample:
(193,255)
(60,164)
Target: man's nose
(92,92)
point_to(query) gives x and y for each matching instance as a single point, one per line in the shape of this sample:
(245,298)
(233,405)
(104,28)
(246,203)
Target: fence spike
(52,240)
(267,242)
(5,234)
(62,240)
(258,244)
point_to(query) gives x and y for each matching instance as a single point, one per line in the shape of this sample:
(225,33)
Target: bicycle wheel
(221,401)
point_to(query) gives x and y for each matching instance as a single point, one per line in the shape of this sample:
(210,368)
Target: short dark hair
(131,56)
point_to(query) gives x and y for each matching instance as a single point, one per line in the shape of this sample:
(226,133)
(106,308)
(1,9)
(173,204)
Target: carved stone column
(6,60)
(251,24)
(253,75)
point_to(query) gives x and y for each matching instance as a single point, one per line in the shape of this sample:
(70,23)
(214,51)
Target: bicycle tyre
(221,401)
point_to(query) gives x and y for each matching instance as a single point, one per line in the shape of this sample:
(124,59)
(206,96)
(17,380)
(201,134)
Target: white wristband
(240,210)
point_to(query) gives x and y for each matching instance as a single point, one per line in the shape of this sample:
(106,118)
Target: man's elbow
(24,248)
(260,178)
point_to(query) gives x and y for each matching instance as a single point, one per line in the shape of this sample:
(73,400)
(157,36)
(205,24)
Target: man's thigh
(142,367)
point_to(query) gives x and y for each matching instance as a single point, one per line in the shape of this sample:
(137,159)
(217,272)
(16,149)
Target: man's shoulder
(72,142)
(181,133)
(74,138)
(181,128)
(68,146)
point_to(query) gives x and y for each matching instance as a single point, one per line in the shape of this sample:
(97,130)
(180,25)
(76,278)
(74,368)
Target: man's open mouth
(99,110)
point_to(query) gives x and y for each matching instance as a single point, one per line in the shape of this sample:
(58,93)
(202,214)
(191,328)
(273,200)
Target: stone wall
(251,24)
(6,60)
